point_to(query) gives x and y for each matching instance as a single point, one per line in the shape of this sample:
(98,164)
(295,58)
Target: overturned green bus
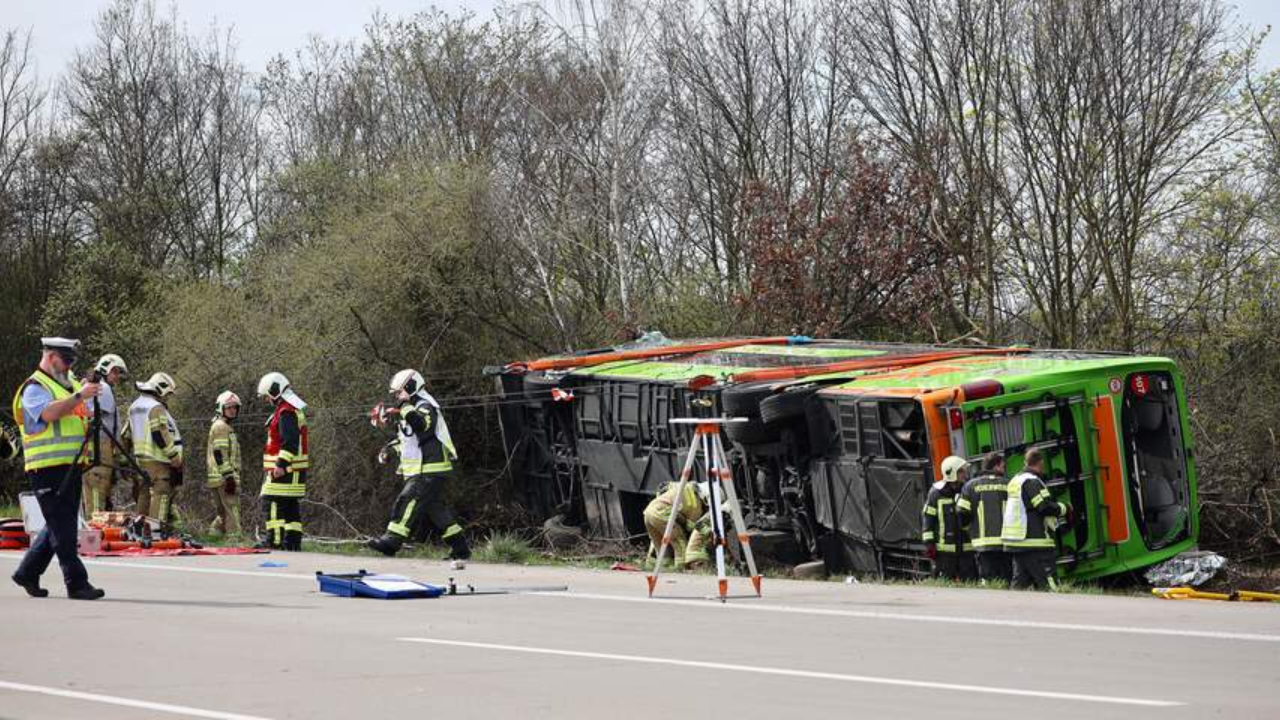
(844,438)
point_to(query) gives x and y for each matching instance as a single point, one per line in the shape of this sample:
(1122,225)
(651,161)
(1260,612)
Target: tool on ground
(719,476)
(363,583)
(372,585)
(473,590)
(1189,593)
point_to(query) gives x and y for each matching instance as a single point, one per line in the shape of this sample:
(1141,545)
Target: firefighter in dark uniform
(285,461)
(426,461)
(1031,517)
(51,415)
(981,509)
(946,542)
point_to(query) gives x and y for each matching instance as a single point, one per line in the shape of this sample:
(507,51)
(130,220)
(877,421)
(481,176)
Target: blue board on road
(380,587)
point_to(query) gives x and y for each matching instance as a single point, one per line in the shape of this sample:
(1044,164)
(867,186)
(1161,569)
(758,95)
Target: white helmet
(275,386)
(272,385)
(160,385)
(952,465)
(227,399)
(110,362)
(409,381)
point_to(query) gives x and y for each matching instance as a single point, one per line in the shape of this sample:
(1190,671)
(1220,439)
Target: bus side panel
(1111,471)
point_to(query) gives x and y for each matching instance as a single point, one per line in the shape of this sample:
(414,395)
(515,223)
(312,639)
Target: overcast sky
(266,28)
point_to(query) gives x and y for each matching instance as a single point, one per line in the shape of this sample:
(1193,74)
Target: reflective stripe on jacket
(423,450)
(692,509)
(1026,510)
(981,509)
(59,442)
(149,417)
(278,453)
(222,443)
(942,524)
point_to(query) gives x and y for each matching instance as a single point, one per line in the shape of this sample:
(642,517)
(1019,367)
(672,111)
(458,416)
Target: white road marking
(265,572)
(126,702)
(752,606)
(786,672)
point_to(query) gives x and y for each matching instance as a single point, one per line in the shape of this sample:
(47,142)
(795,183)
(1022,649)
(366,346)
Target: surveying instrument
(93,442)
(719,477)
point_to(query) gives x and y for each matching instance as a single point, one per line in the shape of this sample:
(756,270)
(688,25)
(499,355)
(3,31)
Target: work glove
(931,551)
(1069,514)
(229,484)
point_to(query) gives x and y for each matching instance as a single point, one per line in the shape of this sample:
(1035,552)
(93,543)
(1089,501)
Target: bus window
(1154,455)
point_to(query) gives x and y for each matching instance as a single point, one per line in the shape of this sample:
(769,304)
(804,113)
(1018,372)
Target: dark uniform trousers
(284,515)
(59,498)
(955,566)
(423,496)
(1034,568)
(995,565)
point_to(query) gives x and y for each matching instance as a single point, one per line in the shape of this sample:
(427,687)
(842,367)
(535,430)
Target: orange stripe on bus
(1111,471)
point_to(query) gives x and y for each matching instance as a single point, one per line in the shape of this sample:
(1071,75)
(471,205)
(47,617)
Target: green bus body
(835,466)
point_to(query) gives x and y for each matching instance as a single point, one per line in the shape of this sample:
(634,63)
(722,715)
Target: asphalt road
(224,638)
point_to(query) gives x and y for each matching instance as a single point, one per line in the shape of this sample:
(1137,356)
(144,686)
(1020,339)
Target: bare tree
(20,99)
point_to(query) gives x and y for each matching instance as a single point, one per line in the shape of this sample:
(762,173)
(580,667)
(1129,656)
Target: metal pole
(735,511)
(675,511)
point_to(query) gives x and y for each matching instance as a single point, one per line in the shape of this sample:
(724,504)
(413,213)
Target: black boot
(388,544)
(31,586)
(85,592)
(458,548)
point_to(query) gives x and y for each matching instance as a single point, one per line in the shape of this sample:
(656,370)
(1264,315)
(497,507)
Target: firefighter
(100,475)
(981,510)
(285,461)
(946,542)
(158,446)
(1030,518)
(49,410)
(692,529)
(426,461)
(223,463)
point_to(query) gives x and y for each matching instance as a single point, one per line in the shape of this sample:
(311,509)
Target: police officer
(981,510)
(286,460)
(98,479)
(1030,518)
(49,409)
(946,542)
(426,461)
(222,461)
(692,529)
(157,445)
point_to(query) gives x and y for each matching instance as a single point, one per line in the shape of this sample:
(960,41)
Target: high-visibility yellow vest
(146,415)
(1014,533)
(294,482)
(60,441)
(412,459)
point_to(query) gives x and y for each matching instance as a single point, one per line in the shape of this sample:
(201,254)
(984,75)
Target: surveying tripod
(720,479)
(93,440)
